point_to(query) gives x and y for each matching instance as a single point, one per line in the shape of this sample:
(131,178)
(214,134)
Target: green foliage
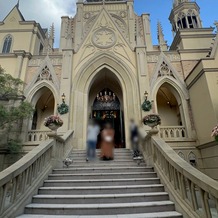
(9,86)
(14,146)
(12,88)
(8,115)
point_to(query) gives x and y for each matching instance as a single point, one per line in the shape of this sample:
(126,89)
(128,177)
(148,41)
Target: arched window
(7,45)
(192,20)
(181,21)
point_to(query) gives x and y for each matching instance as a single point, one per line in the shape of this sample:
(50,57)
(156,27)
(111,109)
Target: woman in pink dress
(107,143)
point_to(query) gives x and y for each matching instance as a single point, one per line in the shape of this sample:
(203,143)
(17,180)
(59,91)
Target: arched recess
(111,111)
(43,96)
(181,96)
(84,80)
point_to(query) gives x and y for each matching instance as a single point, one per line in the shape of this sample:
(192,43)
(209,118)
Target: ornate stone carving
(123,14)
(164,70)
(121,24)
(174,57)
(45,74)
(38,61)
(140,27)
(104,38)
(152,58)
(87,15)
(88,25)
(181,155)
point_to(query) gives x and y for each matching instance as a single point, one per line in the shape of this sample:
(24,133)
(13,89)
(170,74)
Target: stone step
(83,154)
(166,214)
(99,164)
(90,176)
(120,158)
(99,182)
(102,170)
(100,209)
(118,154)
(115,161)
(100,199)
(101,189)
(116,150)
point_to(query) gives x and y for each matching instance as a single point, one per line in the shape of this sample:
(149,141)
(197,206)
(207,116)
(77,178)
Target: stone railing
(37,135)
(172,132)
(194,193)
(20,182)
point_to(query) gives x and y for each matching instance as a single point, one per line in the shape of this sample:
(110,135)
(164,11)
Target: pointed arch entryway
(43,96)
(120,79)
(111,111)
(171,101)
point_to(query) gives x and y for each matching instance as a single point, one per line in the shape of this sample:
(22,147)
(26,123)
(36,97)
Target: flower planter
(53,127)
(151,120)
(152,125)
(53,122)
(216,138)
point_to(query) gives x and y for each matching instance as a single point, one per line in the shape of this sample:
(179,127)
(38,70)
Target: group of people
(106,135)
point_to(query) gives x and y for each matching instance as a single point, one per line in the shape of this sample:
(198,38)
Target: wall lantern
(63,108)
(63,98)
(146,106)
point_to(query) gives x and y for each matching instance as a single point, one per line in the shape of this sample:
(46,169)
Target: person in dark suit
(134,138)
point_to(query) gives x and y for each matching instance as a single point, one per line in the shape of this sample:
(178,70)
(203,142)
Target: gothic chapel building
(106,51)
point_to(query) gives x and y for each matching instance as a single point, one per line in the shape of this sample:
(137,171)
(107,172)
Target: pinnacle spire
(177,2)
(51,32)
(160,36)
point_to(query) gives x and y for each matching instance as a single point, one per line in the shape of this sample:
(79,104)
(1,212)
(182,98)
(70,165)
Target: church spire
(185,15)
(18,4)
(160,36)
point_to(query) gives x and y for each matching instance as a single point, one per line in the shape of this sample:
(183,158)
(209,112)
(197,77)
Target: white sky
(47,12)
(44,12)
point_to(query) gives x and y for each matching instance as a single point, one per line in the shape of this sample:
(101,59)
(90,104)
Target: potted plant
(151,120)
(215,133)
(53,122)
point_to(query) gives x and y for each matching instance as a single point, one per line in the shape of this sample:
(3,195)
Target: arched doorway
(44,107)
(106,104)
(84,96)
(168,107)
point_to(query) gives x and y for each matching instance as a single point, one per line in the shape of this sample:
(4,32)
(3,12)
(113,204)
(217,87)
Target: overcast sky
(47,12)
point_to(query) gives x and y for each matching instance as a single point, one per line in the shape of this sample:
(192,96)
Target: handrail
(19,182)
(195,193)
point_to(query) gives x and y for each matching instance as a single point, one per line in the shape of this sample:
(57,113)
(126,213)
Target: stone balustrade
(19,182)
(37,135)
(172,132)
(194,193)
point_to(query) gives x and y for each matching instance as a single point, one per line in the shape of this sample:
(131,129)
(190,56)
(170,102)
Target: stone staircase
(112,189)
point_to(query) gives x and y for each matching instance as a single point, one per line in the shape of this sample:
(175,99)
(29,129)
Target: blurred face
(108,126)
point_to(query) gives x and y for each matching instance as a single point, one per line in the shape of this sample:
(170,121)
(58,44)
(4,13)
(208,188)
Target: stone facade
(107,46)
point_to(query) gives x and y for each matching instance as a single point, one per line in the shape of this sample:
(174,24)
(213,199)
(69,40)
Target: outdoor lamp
(146,106)
(63,98)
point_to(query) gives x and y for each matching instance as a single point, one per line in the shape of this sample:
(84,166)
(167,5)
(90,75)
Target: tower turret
(185,15)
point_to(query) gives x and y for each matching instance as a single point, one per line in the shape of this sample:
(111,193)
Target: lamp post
(146,106)
(63,98)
